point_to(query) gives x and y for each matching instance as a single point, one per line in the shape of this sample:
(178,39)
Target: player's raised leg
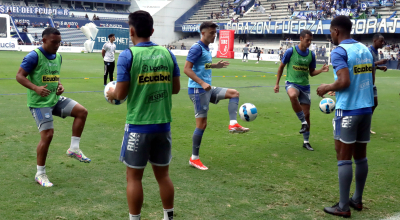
(234,126)
(293,94)
(80,114)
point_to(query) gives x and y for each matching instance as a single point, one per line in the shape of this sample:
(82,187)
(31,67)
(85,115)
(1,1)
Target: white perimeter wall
(164,20)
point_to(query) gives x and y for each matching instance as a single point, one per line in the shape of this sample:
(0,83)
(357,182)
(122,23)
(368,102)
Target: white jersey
(110,50)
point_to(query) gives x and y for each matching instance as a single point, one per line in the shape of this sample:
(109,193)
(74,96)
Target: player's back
(360,92)
(150,90)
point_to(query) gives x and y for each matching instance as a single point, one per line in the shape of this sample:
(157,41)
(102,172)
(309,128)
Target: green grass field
(263,174)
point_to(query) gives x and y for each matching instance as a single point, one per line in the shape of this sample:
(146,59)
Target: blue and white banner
(32,10)
(303,14)
(345,11)
(360,26)
(121,38)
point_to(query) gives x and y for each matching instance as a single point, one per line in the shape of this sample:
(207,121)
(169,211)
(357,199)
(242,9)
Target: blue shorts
(201,101)
(352,129)
(304,94)
(139,148)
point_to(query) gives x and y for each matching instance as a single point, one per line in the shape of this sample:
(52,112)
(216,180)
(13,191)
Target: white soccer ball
(114,102)
(276,62)
(248,112)
(327,105)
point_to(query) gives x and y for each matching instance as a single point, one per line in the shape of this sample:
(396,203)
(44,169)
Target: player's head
(141,25)
(379,41)
(340,28)
(111,37)
(305,38)
(51,40)
(208,31)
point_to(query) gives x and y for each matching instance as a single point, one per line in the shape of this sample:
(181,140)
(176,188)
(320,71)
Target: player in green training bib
(148,74)
(300,64)
(40,73)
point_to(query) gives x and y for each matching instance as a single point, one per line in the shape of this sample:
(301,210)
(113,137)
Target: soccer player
(198,68)
(354,76)
(245,53)
(378,43)
(148,74)
(108,56)
(258,51)
(40,73)
(301,63)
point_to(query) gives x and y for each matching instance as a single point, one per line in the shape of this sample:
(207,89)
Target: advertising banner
(360,26)
(226,43)
(32,10)
(121,38)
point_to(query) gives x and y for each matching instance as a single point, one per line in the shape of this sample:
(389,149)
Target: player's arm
(123,77)
(191,74)
(313,65)
(21,78)
(339,61)
(176,82)
(220,64)
(278,76)
(285,60)
(380,62)
(103,51)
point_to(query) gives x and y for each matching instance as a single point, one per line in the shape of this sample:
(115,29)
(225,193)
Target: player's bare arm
(220,64)
(176,85)
(342,82)
(103,52)
(21,78)
(189,72)
(60,88)
(314,72)
(278,76)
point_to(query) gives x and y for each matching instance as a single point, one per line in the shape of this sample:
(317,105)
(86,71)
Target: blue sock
(197,136)
(345,171)
(301,117)
(232,108)
(306,136)
(361,177)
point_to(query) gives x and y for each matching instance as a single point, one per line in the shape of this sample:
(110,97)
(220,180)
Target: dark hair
(377,36)
(111,35)
(305,32)
(207,24)
(142,22)
(49,31)
(342,22)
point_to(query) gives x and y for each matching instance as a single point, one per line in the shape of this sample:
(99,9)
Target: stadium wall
(164,20)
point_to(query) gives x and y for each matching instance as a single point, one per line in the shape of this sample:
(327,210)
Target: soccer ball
(114,102)
(276,62)
(327,105)
(248,112)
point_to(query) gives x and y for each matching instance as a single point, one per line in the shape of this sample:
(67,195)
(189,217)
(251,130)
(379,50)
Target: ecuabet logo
(7,45)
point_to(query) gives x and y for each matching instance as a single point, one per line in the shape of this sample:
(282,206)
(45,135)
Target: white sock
(166,214)
(40,170)
(305,122)
(75,143)
(306,142)
(232,122)
(195,157)
(134,217)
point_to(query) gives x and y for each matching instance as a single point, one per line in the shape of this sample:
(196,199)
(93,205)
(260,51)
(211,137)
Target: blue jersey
(359,95)
(201,66)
